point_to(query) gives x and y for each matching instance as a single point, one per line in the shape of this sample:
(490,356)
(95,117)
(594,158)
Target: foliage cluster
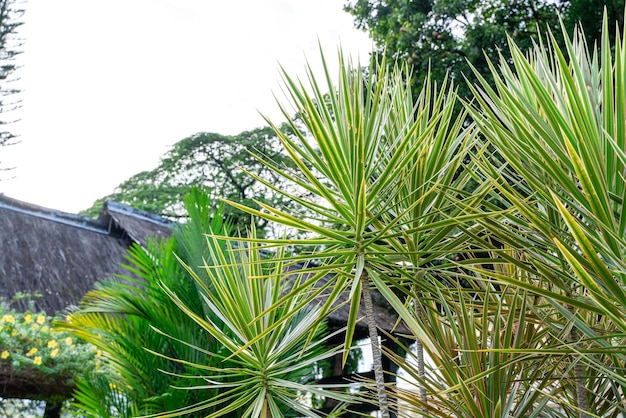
(34,352)
(449,37)
(213,162)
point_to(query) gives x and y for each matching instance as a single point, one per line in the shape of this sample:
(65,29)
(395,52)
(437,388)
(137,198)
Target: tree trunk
(53,409)
(421,368)
(376,351)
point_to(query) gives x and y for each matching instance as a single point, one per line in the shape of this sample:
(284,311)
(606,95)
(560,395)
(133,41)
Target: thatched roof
(138,225)
(61,255)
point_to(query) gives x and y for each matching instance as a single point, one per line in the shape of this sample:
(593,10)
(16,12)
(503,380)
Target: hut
(56,257)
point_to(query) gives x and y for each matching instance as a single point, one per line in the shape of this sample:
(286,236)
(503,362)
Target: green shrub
(37,355)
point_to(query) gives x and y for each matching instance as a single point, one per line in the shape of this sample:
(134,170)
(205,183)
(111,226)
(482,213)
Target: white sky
(108,86)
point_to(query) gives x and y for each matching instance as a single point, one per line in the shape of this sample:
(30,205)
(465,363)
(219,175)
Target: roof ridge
(129,210)
(55,215)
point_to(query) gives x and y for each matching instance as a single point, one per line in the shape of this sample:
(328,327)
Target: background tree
(589,14)
(217,163)
(10,15)
(447,34)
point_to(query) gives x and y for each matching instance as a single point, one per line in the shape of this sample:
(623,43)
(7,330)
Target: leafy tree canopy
(217,163)
(447,35)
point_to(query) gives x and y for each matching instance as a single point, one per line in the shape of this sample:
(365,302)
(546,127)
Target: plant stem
(266,412)
(421,370)
(376,351)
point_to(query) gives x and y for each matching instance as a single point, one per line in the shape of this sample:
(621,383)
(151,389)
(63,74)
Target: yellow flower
(32,351)
(35,326)
(44,328)
(37,360)
(52,344)
(5,354)
(54,353)
(112,386)
(41,319)
(69,341)
(8,318)
(13,333)
(28,318)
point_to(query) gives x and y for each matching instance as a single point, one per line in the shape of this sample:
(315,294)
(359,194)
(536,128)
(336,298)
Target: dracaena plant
(557,121)
(495,354)
(385,188)
(269,342)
